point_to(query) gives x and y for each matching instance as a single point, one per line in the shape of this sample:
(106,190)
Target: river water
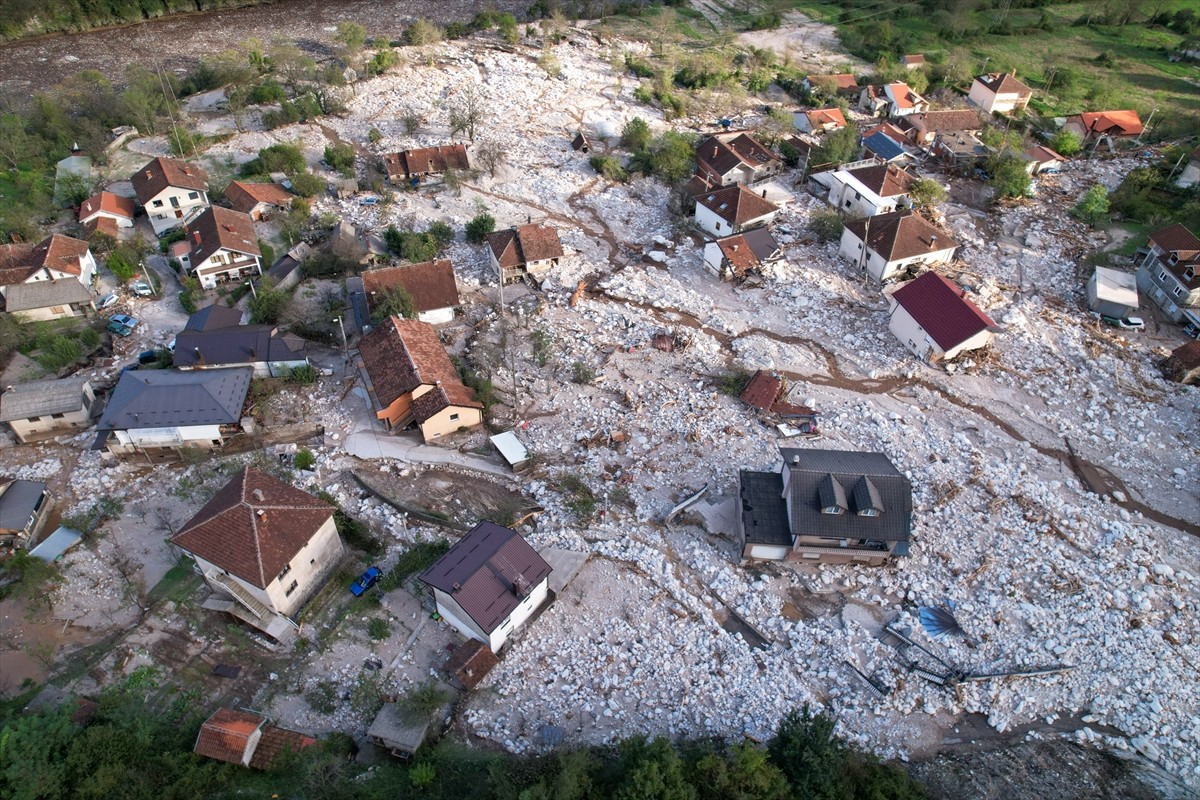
(177,42)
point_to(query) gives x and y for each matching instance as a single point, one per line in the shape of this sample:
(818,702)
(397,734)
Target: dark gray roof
(761,242)
(764,512)
(819,479)
(43,294)
(244,344)
(18,502)
(160,398)
(41,398)
(488,572)
(214,317)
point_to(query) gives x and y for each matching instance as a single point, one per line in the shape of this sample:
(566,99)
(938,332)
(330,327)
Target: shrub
(285,158)
(305,374)
(733,383)
(322,697)
(581,500)
(1093,205)
(422,32)
(582,373)
(442,233)
(306,184)
(541,340)
(639,68)
(415,559)
(304,459)
(374,135)
(379,629)
(341,158)
(636,135)
(424,698)
(1009,178)
(926,193)
(394,302)
(1066,142)
(187,301)
(610,167)
(479,227)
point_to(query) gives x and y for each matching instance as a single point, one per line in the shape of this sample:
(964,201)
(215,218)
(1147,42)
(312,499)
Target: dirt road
(177,42)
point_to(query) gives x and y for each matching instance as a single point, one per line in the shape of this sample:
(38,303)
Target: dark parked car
(122,324)
(365,581)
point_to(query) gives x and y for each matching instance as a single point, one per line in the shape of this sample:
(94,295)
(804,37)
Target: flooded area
(178,42)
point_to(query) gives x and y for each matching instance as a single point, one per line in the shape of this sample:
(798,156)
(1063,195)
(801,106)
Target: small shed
(399,731)
(470,663)
(581,144)
(1112,293)
(512,450)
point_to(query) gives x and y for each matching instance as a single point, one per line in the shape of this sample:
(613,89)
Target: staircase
(239,593)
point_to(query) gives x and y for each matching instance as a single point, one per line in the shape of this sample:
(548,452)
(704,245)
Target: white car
(141,289)
(108,301)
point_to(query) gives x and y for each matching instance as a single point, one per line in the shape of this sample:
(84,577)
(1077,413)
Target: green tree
(306,184)
(609,166)
(268,305)
(807,752)
(837,147)
(671,157)
(1093,206)
(826,223)
(651,771)
(285,158)
(1009,177)
(121,265)
(745,773)
(926,193)
(341,158)
(479,227)
(422,32)
(351,36)
(636,135)
(1066,142)
(442,233)
(394,301)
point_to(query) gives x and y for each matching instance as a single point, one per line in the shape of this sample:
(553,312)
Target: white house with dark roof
(171,191)
(826,506)
(741,254)
(489,584)
(722,212)
(265,544)
(160,414)
(865,188)
(221,247)
(888,244)
(46,300)
(43,409)
(24,508)
(1169,270)
(999,93)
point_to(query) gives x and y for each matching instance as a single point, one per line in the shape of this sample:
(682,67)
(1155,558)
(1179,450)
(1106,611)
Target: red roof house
(936,320)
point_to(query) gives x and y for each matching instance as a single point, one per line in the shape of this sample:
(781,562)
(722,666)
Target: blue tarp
(57,543)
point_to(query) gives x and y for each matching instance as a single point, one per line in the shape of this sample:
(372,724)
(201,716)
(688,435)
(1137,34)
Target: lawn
(1115,67)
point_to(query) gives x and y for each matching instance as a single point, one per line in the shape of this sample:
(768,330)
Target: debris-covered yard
(1041,571)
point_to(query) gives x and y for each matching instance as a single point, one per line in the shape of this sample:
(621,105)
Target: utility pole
(1145,126)
(253,291)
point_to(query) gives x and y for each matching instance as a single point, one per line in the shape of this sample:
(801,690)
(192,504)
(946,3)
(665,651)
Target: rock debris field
(1041,571)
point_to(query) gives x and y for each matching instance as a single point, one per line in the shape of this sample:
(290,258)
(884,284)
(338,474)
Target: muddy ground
(179,41)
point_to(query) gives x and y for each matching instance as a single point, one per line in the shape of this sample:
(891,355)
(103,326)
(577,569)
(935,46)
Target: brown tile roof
(761,391)
(912,60)
(274,743)
(889,130)
(1003,83)
(57,252)
(218,228)
(1177,238)
(841,81)
(226,733)
(742,150)
(515,247)
(426,161)
(937,121)
(820,117)
(108,203)
(942,309)
(1114,123)
(1186,357)
(751,151)
(900,234)
(105,225)
(1041,154)
(161,173)
(402,354)
(431,284)
(245,196)
(745,251)
(697,184)
(471,662)
(488,572)
(885,180)
(737,204)
(254,526)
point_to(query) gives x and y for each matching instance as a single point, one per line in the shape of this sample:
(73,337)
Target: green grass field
(1136,75)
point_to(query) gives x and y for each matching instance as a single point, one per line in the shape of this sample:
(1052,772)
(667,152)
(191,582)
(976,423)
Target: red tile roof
(403,354)
(488,572)
(471,662)
(1004,83)
(885,180)
(942,309)
(841,81)
(900,234)
(57,252)
(245,196)
(1177,238)
(221,228)
(1042,154)
(745,251)
(516,247)
(1187,356)
(903,96)
(912,60)
(820,117)
(761,391)
(161,173)
(736,204)
(226,734)
(107,203)
(938,121)
(1114,123)
(425,161)
(105,225)
(274,743)
(431,284)
(254,526)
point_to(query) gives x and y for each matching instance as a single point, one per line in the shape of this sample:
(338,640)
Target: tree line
(33,17)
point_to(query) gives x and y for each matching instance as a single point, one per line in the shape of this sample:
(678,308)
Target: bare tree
(489,154)
(466,115)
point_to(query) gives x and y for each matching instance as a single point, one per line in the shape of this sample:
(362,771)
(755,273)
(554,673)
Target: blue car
(365,581)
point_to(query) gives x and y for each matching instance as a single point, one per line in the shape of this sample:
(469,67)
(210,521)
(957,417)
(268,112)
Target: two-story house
(732,210)
(264,543)
(171,191)
(43,409)
(826,506)
(891,100)
(728,158)
(922,129)
(525,251)
(107,213)
(889,244)
(866,188)
(999,93)
(56,257)
(1169,270)
(221,246)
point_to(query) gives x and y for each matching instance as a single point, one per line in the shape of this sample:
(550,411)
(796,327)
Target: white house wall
(24,429)
(169,437)
(769,552)
(449,608)
(308,567)
(162,213)
(207,567)
(914,337)
(977,341)
(709,221)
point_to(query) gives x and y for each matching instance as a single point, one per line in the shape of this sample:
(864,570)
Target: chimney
(147,174)
(199,355)
(455,587)
(796,458)
(258,495)
(932,240)
(196,236)
(764,194)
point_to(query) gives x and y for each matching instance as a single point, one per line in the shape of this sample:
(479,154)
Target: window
(835,510)
(291,589)
(1162,274)
(453,417)
(193,195)
(1177,291)
(58,309)
(174,202)
(286,569)
(157,204)
(868,512)
(35,419)
(57,416)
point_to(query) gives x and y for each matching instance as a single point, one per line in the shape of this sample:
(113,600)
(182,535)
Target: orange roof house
(242,737)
